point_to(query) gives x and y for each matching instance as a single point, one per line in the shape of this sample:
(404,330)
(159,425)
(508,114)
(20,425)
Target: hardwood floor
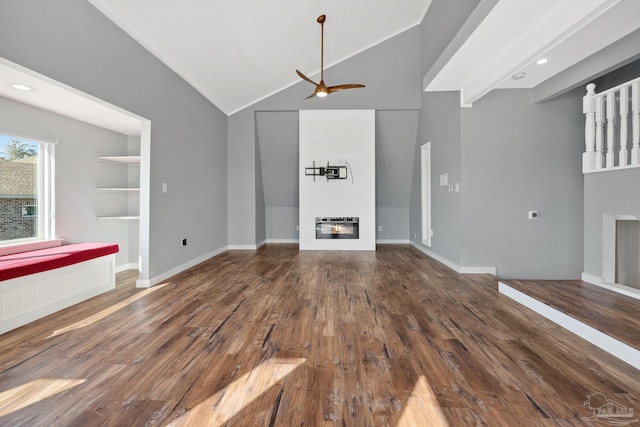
(614,314)
(279,337)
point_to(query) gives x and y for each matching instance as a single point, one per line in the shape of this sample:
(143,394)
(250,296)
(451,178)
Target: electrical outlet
(184,242)
(379,228)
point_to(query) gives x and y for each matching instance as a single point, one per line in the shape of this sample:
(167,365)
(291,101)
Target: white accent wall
(339,137)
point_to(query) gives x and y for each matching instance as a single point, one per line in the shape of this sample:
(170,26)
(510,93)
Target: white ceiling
(51,95)
(517,33)
(238,52)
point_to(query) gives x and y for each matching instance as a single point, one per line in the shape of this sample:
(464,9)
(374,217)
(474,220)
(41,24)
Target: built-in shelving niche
(129,210)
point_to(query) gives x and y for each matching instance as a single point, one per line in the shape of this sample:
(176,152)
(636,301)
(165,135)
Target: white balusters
(635,122)
(607,114)
(589,109)
(599,131)
(624,109)
(611,121)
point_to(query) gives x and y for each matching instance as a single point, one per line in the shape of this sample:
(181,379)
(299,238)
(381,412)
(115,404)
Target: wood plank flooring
(609,312)
(279,337)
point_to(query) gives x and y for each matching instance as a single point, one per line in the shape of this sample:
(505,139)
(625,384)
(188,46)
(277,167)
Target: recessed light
(19,86)
(519,76)
(542,61)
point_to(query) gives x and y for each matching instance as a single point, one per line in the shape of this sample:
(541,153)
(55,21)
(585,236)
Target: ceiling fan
(322,89)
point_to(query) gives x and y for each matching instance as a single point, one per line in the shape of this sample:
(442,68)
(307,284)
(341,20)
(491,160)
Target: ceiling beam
(477,16)
(616,55)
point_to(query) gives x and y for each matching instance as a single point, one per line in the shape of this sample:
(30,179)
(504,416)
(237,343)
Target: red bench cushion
(22,264)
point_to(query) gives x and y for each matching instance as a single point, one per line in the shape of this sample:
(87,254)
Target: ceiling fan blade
(306,78)
(311,96)
(332,89)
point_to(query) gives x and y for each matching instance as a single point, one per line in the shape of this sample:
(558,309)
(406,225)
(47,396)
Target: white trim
(29,246)
(142,283)
(26,134)
(478,270)
(621,289)
(261,244)
(31,297)
(594,336)
(614,168)
(462,270)
(283,241)
(425,193)
(438,258)
(125,267)
(242,247)
(392,242)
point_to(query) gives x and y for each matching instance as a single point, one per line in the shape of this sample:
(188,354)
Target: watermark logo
(608,411)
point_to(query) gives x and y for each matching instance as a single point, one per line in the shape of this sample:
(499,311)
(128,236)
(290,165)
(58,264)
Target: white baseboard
(179,269)
(478,270)
(393,242)
(437,257)
(123,267)
(242,247)
(451,265)
(611,345)
(621,289)
(283,241)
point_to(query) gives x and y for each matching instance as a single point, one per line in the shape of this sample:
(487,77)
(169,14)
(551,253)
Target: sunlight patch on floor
(224,405)
(32,392)
(422,408)
(106,312)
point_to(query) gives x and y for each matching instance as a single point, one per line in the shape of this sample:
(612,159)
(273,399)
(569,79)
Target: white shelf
(117,190)
(127,160)
(125,217)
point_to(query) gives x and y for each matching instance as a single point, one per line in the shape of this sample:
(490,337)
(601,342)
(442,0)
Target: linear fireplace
(337,227)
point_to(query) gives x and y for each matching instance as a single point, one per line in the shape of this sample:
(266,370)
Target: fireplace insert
(346,227)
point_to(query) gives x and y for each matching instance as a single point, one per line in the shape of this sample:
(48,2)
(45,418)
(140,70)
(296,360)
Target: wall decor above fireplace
(330,171)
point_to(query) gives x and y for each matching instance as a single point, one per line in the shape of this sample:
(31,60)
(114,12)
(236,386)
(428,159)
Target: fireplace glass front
(337,227)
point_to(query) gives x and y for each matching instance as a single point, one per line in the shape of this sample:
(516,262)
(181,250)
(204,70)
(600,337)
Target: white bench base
(28,298)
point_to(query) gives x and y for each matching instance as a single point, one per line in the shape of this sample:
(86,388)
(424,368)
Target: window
(26,190)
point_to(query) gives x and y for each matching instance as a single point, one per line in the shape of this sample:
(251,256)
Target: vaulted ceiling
(237,53)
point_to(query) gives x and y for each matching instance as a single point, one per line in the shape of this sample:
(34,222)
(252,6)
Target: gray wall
(519,156)
(608,192)
(278,149)
(261,232)
(70,41)
(395,138)
(78,174)
(391,72)
(440,125)
(439,27)
(611,192)
(279,158)
(241,185)
(510,156)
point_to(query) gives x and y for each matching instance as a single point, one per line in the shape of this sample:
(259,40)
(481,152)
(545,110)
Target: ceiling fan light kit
(322,89)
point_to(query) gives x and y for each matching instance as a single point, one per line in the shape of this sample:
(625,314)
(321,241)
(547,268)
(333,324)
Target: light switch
(164,187)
